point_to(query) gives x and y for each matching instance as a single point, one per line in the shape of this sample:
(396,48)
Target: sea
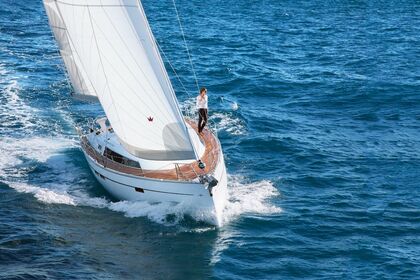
(317,107)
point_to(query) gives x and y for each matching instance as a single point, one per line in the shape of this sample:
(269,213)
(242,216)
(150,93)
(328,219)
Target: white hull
(192,194)
(149,151)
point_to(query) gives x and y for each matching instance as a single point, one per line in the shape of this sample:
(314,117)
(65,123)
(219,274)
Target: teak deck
(183,172)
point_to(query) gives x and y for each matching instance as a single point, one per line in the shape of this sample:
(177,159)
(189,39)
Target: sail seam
(106,78)
(128,112)
(93,22)
(93,5)
(71,41)
(125,70)
(140,7)
(139,67)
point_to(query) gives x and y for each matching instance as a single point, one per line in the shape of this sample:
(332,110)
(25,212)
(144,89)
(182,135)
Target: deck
(181,172)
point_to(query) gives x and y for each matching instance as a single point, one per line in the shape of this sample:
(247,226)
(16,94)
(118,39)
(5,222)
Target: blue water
(316,105)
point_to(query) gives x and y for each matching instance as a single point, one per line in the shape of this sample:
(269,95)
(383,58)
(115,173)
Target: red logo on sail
(150,119)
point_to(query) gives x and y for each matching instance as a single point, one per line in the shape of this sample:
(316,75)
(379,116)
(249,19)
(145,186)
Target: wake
(46,168)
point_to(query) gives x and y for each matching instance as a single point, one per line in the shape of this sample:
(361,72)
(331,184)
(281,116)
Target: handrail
(181,171)
(187,172)
(103,160)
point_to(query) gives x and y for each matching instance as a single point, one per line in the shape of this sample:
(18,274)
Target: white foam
(65,183)
(163,213)
(156,212)
(227,122)
(19,121)
(200,229)
(22,151)
(244,198)
(3,71)
(251,198)
(234,106)
(14,151)
(82,198)
(45,195)
(62,182)
(14,112)
(221,244)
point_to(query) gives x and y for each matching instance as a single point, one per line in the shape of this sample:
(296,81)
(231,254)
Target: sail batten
(110,53)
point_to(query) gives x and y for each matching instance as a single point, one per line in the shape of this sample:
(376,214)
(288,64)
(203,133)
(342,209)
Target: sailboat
(144,149)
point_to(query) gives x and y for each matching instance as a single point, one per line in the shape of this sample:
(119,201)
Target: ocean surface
(316,104)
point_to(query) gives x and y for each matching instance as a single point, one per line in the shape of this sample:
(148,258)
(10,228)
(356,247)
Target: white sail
(79,80)
(112,48)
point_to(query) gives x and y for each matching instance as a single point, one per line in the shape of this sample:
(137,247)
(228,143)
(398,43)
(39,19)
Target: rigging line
(93,5)
(186,46)
(100,59)
(134,116)
(105,59)
(162,66)
(187,111)
(163,113)
(172,67)
(187,127)
(172,92)
(93,39)
(135,109)
(129,50)
(63,69)
(70,39)
(84,90)
(162,101)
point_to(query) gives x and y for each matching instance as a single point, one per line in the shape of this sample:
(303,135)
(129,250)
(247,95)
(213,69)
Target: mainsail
(79,80)
(110,52)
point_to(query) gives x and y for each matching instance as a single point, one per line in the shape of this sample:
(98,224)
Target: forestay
(110,52)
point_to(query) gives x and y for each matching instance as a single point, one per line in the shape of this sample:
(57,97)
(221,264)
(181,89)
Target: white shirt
(202,102)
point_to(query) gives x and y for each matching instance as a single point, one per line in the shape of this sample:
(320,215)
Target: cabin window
(120,159)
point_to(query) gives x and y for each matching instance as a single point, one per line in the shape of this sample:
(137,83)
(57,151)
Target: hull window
(100,175)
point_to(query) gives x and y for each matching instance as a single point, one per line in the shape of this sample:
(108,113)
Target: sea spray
(250,197)
(65,183)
